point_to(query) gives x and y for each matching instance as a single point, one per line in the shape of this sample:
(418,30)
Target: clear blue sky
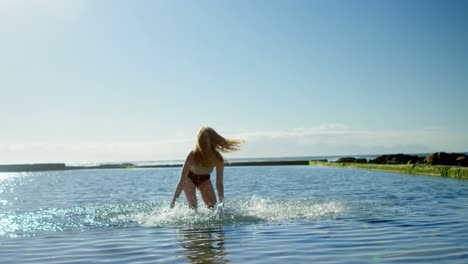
(85,81)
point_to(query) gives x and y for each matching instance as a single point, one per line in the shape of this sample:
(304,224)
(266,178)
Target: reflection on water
(203,245)
(316,215)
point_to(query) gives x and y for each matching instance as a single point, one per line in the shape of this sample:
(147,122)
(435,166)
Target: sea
(272,214)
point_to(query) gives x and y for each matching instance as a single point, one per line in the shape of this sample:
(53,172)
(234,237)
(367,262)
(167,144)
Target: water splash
(17,224)
(250,210)
(254,209)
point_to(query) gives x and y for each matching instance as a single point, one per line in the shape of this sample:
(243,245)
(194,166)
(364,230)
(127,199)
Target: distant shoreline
(63,166)
(435,164)
(178,163)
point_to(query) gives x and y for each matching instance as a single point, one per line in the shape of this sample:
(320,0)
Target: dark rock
(462,161)
(397,159)
(351,160)
(322,160)
(443,158)
(346,160)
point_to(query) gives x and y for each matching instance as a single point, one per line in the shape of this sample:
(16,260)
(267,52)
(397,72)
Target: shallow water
(290,214)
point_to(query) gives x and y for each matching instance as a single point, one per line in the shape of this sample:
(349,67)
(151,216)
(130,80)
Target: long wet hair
(210,144)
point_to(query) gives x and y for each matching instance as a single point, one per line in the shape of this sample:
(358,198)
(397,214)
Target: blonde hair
(208,155)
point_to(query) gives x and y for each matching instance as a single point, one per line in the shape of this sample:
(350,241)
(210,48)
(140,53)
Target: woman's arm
(219,180)
(183,175)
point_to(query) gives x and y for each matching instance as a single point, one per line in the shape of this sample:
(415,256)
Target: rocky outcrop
(462,161)
(351,160)
(451,159)
(397,159)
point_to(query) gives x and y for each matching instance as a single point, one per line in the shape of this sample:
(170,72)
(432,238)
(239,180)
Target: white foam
(249,210)
(255,209)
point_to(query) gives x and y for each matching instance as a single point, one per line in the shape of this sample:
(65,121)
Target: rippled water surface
(290,214)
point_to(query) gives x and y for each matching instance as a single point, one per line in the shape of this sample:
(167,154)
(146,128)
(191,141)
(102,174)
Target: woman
(198,166)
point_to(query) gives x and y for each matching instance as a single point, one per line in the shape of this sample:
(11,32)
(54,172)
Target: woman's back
(201,170)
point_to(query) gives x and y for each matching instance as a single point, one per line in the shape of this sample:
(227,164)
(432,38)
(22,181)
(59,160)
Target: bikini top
(201,170)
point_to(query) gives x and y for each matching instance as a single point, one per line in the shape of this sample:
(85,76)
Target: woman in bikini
(198,166)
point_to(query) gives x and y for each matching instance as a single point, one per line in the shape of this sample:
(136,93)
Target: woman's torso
(201,170)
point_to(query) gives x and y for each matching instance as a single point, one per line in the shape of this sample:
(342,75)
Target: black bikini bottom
(198,179)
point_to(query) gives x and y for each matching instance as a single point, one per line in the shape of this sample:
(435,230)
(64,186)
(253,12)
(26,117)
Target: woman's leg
(208,193)
(190,193)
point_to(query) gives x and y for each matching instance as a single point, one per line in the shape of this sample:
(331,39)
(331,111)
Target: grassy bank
(444,171)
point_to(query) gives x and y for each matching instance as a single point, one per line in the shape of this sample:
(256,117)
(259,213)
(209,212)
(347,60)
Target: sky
(100,81)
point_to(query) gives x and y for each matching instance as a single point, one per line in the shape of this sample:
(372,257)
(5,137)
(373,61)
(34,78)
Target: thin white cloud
(327,139)
(338,133)
(93,151)
(337,139)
